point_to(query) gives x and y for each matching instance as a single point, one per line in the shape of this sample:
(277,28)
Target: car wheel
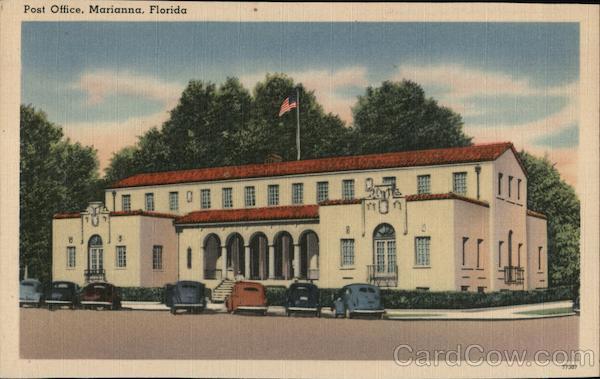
(173,311)
(348,313)
(318,314)
(288,313)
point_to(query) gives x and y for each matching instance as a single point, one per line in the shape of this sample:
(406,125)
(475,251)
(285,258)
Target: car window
(99,287)
(371,290)
(251,289)
(61,285)
(27,284)
(363,289)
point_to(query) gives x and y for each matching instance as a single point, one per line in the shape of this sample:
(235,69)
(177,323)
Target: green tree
(398,117)
(549,194)
(55,175)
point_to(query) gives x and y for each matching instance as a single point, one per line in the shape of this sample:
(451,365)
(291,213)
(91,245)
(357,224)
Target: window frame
(174,201)
(455,176)
(320,186)
(205,200)
(128,202)
(464,250)
(348,189)
(510,179)
(419,262)
(347,252)
(479,242)
(189,258)
(427,178)
(73,250)
(149,196)
(297,193)
(273,195)
(157,257)
(120,252)
(249,196)
(500,176)
(227,197)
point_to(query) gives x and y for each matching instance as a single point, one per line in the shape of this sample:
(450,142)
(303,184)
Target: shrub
(142,294)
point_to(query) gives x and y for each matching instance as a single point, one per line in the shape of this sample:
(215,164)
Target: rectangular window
(173,201)
(519,255)
(322,191)
(389,181)
(481,289)
(510,179)
(249,196)
(71,256)
(459,183)
(500,183)
(348,189)
(157,251)
(518,189)
(189,258)
(126,203)
(464,288)
(121,257)
(422,251)
(479,241)
(347,252)
(539,258)
(423,184)
(273,194)
(500,243)
(149,201)
(464,250)
(205,199)
(297,193)
(227,198)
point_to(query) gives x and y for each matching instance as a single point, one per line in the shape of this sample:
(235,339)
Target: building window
(347,252)
(121,257)
(479,241)
(173,201)
(249,196)
(189,258)
(464,288)
(126,203)
(189,196)
(322,191)
(518,189)
(500,183)
(481,289)
(205,199)
(71,256)
(157,251)
(297,193)
(423,184)
(227,198)
(459,183)
(464,250)
(273,194)
(422,251)
(389,181)
(500,243)
(510,179)
(519,255)
(348,189)
(539,258)
(149,201)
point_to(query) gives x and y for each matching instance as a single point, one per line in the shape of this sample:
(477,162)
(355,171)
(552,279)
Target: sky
(107,83)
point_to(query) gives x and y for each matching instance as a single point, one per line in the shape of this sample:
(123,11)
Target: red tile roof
(340,202)
(475,153)
(63,215)
(536,214)
(251,214)
(140,212)
(446,196)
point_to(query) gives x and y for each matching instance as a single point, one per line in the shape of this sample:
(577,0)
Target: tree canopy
(56,175)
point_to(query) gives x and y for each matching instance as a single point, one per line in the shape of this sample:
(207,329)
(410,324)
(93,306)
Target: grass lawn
(549,311)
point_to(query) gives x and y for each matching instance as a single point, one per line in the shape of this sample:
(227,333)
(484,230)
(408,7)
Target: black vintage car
(60,294)
(185,294)
(100,295)
(303,298)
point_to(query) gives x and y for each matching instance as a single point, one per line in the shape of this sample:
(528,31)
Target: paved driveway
(80,334)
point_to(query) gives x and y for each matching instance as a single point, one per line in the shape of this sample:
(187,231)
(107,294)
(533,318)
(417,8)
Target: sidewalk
(516,312)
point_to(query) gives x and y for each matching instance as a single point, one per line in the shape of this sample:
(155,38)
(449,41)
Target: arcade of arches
(257,258)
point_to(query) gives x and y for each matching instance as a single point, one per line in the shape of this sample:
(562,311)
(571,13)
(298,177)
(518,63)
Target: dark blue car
(358,299)
(303,298)
(185,294)
(62,293)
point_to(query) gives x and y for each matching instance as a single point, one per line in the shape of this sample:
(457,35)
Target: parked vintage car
(247,296)
(62,293)
(100,295)
(358,299)
(302,298)
(185,294)
(31,293)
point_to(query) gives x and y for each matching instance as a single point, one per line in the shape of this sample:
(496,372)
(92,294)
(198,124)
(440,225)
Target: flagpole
(298,122)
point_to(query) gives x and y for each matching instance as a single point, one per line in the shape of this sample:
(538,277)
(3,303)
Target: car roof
(62,282)
(302,284)
(188,282)
(30,281)
(359,285)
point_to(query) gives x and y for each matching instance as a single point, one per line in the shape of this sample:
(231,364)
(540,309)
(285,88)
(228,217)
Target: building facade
(452,219)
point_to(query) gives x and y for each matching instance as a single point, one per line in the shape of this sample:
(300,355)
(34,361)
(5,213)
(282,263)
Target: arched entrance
(95,264)
(384,271)
(309,255)
(284,256)
(236,263)
(212,252)
(259,257)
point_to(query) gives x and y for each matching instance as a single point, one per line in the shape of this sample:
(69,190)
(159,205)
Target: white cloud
(102,84)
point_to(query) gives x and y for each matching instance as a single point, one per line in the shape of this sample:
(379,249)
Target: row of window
(510,182)
(422,252)
(465,261)
(120,257)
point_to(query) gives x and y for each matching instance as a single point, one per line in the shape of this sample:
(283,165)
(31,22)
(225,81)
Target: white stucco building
(445,219)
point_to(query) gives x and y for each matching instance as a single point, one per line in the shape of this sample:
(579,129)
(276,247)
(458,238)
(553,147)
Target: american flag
(288,104)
